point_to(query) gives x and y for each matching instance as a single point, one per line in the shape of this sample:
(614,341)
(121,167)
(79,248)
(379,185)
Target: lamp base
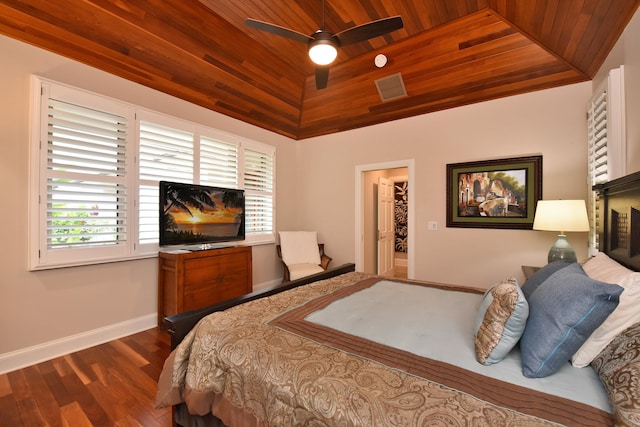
(562,251)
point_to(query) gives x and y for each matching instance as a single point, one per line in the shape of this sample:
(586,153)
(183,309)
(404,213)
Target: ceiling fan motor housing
(323,49)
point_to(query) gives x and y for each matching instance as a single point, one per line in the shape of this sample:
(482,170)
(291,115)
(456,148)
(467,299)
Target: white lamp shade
(561,215)
(322,52)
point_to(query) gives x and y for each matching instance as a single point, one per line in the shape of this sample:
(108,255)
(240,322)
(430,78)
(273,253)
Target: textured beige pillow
(500,321)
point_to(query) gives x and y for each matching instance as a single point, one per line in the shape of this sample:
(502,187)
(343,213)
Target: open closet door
(386,227)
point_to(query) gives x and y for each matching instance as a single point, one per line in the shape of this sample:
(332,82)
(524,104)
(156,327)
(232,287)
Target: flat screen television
(200,215)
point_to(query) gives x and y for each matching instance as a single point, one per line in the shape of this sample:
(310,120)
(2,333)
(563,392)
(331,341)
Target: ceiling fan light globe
(322,52)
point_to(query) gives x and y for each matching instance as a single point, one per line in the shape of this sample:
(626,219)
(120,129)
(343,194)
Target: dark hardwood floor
(113,384)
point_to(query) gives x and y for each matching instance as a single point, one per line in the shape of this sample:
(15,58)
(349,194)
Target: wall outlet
(432,226)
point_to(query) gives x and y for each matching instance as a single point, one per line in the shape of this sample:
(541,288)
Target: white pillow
(605,269)
(299,247)
(625,315)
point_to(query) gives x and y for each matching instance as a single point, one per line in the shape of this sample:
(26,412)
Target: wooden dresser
(192,280)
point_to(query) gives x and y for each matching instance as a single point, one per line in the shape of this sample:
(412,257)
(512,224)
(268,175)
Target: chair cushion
(297,271)
(299,247)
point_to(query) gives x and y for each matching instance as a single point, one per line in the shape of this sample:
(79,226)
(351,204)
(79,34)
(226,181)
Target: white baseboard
(49,350)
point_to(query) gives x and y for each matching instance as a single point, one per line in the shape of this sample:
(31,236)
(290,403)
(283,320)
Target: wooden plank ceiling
(449,53)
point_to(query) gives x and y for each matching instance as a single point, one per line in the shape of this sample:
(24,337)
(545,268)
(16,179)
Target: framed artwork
(401,195)
(494,193)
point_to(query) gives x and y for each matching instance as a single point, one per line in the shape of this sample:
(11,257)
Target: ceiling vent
(391,87)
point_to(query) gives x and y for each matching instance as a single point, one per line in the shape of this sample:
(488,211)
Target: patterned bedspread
(260,363)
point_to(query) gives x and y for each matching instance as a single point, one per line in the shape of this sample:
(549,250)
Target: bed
(347,348)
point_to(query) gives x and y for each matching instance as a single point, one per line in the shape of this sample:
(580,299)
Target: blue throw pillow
(500,321)
(563,311)
(532,283)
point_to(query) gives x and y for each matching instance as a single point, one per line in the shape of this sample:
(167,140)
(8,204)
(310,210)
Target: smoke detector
(380,60)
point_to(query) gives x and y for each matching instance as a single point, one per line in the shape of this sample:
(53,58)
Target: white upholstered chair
(301,254)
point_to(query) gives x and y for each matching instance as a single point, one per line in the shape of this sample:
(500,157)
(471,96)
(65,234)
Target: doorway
(401,173)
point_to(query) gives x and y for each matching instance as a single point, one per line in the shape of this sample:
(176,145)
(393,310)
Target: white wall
(550,123)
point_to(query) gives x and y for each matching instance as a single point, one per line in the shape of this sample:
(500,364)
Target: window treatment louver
(597,127)
(597,159)
(605,144)
(86,186)
(259,219)
(258,171)
(218,163)
(167,154)
(83,216)
(148,220)
(84,140)
(258,185)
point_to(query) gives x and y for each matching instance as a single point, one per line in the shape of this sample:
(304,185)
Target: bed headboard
(619,219)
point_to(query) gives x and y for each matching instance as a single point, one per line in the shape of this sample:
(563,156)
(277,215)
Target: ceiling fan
(323,45)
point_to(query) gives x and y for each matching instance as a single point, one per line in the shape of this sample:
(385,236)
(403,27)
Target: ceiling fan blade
(369,30)
(277,30)
(322,76)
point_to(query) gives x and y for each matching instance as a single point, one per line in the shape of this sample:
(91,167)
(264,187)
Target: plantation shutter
(597,128)
(218,163)
(258,186)
(95,165)
(166,153)
(85,176)
(606,143)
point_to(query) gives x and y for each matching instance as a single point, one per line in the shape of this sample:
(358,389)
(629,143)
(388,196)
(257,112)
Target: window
(96,163)
(165,152)
(258,186)
(606,142)
(218,162)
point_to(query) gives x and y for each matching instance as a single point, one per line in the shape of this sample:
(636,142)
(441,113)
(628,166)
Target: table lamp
(561,216)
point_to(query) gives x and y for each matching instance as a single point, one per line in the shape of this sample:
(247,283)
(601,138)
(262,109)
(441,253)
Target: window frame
(40,257)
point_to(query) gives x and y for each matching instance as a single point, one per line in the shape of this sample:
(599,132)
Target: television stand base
(208,246)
